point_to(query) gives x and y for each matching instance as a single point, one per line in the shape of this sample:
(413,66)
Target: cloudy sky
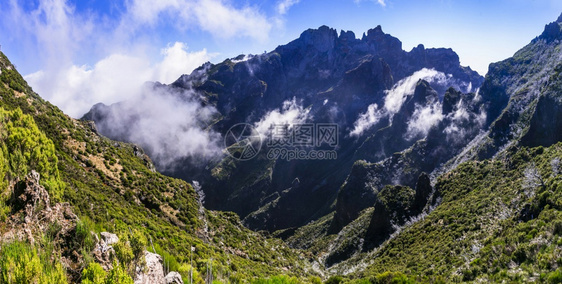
(76,53)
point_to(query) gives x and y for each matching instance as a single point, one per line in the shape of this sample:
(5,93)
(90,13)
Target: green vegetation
(490,226)
(94,274)
(25,147)
(22,263)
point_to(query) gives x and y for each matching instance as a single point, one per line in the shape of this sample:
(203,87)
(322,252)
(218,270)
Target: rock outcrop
(152,272)
(173,278)
(357,193)
(33,216)
(103,251)
(31,201)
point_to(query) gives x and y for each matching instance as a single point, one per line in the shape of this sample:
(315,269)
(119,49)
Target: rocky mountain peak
(382,41)
(423,93)
(347,35)
(323,38)
(552,31)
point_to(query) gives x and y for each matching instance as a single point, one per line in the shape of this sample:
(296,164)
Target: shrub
(21,263)
(27,148)
(118,275)
(93,274)
(555,276)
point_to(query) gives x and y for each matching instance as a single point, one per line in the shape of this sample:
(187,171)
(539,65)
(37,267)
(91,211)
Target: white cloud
(224,21)
(395,97)
(177,61)
(51,27)
(457,128)
(290,113)
(423,119)
(218,17)
(367,120)
(75,89)
(380,2)
(284,5)
(148,11)
(170,126)
(119,52)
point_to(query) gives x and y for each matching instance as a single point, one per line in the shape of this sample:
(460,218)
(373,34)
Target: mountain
(484,202)
(77,207)
(439,176)
(319,78)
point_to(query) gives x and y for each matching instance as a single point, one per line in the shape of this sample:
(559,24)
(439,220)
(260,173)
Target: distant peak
(383,41)
(348,35)
(552,31)
(375,31)
(322,38)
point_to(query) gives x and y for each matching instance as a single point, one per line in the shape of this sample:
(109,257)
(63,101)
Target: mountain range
(435,173)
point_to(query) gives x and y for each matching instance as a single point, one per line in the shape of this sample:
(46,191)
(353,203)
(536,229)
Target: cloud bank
(75,89)
(170,125)
(119,52)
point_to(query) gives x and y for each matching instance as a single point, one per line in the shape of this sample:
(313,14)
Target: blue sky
(79,52)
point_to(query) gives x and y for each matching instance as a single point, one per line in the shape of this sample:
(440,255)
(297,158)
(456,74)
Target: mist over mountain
(321,77)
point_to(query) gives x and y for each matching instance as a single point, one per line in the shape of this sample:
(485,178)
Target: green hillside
(111,186)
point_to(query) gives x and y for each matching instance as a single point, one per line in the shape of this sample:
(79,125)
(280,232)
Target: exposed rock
(322,39)
(382,43)
(92,126)
(393,208)
(551,32)
(109,238)
(33,216)
(450,100)
(423,95)
(152,272)
(173,278)
(103,251)
(380,226)
(32,200)
(335,78)
(29,195)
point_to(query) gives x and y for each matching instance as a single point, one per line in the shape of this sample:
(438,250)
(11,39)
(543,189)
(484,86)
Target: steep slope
(319,78)
(502,189)
(498,221)
(529,84)
(85,183)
